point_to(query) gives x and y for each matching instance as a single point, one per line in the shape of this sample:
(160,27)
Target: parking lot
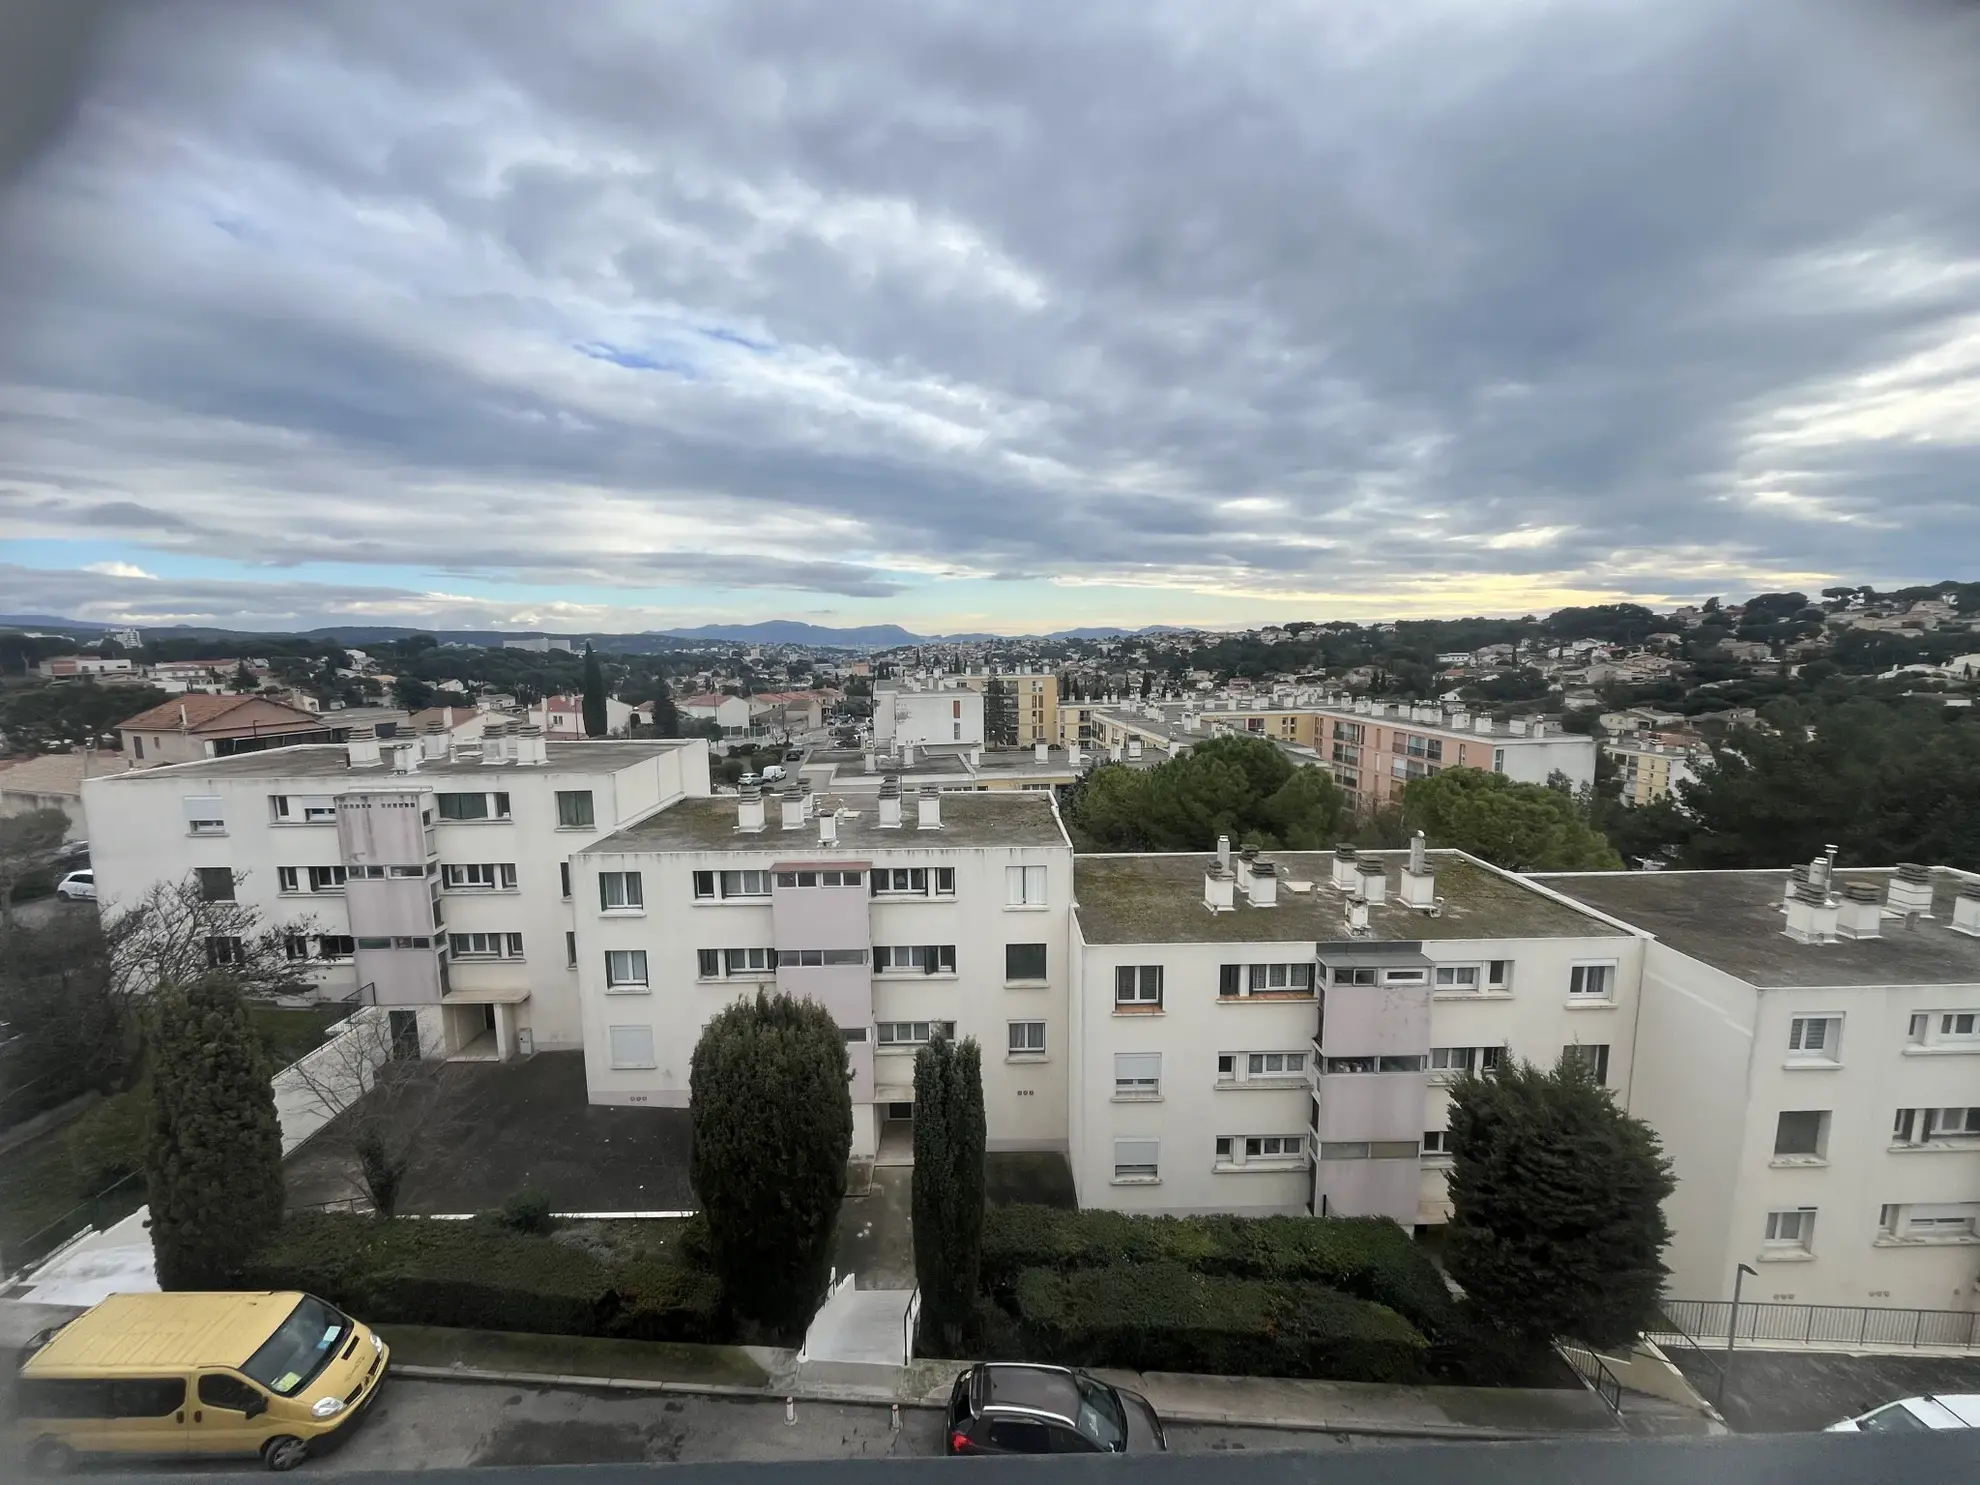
(1799,1391)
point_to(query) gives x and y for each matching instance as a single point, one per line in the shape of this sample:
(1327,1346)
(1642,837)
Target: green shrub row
(1370,1258)
(1164,1317)
(483,1275)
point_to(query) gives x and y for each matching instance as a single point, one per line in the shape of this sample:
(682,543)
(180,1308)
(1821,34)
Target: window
(926,959)
(1024,886)
(1802,1132)
(473,806)
(1454,1060)
(1281,979)
(374,942)
(1961,1026)
(289,878)
(138,743)
(1915,1032)
(1138,985)
(1399,1064)
(1274,1065)
(1457,977)
(620,892)
(632,1046)
(1947,1220)
(736,963)
(1137,1074)
(570,950)
(1024,961)
(205,815)
(853,1034)
(1336,1065)
(335,946)
(1919,1126)
(326,878)
(295,947)
(1794,1228)
(819,878)
(486,945)
(912,1033)
(1437,1142)
(743,883)
(564,878)
(1137,1160)
(1354,977)
(1815,1039)
(216,883)
(574,809)
(624,968)
(1275,1147)
(810,958)
(218,1390)
(1498,974)
(1025,1038)
(223,950)
(497,876)
(1594,1056)
(704,884)
(904,881)
(1230,980)
(1592,981)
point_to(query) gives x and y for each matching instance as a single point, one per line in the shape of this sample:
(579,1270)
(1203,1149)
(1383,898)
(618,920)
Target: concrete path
(866,1327)
(875,1235)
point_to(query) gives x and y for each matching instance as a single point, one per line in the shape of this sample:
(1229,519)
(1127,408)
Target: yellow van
(185,1375)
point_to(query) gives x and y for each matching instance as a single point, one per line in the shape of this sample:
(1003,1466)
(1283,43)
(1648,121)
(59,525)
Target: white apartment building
(428,878)
(943,912)
(946,715)
(1810,1053)
(1276,1034)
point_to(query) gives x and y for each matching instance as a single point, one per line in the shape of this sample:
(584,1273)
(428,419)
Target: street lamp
(1732,1327)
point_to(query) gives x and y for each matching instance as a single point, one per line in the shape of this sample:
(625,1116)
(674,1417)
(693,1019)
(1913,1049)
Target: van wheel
(51,1457)
(284,1453)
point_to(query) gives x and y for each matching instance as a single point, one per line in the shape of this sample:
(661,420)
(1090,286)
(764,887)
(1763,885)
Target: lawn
(289,1033)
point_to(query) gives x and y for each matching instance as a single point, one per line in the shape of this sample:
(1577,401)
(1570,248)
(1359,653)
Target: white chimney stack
(828,828)
(405,758)
(872,761)
(530,749)
(928,809)
(1911,890)
(1264,886)
(1346,878)
(1416,845)
(1859,914)
(805,799)
(363,746)
(1357,915)
(1219,890)
(1042,753)
(1811,916)
(1419,878)
(1518,726)
(749,809)
(1373,886)
(1966,910)
(907,755)
(433,741)
(1797,878)
(890,804)
(493,743)
(1134,747)
(1224,852)
(793,808)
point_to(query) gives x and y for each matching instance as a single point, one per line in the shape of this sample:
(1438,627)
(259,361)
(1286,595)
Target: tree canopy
(597,719)
(1522,827)
(1557,1227)
(1243,787)
(948,1185)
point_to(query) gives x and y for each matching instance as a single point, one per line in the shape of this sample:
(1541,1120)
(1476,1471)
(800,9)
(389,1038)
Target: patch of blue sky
(639,360)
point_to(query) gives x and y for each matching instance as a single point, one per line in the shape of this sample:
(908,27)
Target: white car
(1916,1415)
(77,886)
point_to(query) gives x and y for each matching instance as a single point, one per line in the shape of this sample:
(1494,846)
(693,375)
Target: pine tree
(596,720)
(948,1184)
(1557,1228)
(772,1128)
(213,1170)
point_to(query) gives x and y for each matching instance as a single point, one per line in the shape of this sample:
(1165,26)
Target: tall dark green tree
(948,1185)
(1557,1226)
(1243,787)
(1522,827)
(772,1128)
(213,1167)
(666,716)
(596,719)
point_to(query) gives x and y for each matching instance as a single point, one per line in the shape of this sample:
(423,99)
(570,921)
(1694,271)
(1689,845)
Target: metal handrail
(908,1322)
(1594,1372)
(1852,1325)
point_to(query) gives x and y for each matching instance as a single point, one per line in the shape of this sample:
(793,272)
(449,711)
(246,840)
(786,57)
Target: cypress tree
(948,1184)
(1557,1228)
(213,1168)
(666,716)
(772,1128)
(596,719)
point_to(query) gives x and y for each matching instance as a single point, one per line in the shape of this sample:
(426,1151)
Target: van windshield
(299,1348)
(1100,1414)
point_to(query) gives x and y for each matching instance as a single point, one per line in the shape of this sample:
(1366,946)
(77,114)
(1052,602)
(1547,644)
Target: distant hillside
(790,632)
(49,621)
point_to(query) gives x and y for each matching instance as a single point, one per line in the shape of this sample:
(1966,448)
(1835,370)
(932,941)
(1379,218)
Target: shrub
(1371,1259)
(527,1211)
(1163,1317)
(107,1143)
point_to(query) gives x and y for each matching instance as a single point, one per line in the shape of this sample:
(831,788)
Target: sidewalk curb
(1438,1431)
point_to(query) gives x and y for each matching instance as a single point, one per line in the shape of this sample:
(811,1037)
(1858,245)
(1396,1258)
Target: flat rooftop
(1156,899)
(1732,920)
(1011,818)
(331,761)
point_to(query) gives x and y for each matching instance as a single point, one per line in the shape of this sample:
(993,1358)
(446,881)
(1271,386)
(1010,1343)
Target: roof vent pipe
(828,828)
(928,809)
(1372,883)
(1416,844)
(1910,890)
(1224,852)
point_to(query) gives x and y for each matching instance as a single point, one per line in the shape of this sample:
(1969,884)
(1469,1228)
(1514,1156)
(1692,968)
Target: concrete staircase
(859,1337)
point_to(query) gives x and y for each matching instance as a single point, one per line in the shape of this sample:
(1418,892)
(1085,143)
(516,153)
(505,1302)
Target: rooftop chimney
(1416,844)
(1966,909)
(907,755)
(1357,917)
(1518,726)
(1911,890)
(1345,876)
(1482,724)
(1042,753)
(531,751)
(1219,890)
(1373,885)
(890,804)
(793,806)
(363,746)
(828,828)
(1224,852)
(494,743)
(405,758)
(1418,888)
(1263,888)
(433,741)
(928,809)
(1134,747)
(872,761)
(1860,914)
(749,809)
(804,797)
(1811,916)
(1797,878)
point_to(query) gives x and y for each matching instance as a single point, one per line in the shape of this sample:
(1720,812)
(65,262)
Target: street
(421,1425)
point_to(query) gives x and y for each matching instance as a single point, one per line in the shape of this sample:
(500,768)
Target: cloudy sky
(1011,316)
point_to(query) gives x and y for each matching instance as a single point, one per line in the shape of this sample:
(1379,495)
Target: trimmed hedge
(1371,1259)
(481,1275)
(1163,1317)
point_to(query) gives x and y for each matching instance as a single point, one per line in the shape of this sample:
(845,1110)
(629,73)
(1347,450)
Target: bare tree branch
(179,932)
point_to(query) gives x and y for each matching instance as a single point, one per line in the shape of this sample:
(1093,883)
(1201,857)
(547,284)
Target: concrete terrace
(1145,899)
(332,761)
(709,824)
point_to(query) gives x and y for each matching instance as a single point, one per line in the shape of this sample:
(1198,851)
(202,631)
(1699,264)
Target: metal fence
(1592,1370)
(105,1209)
(1820,1325)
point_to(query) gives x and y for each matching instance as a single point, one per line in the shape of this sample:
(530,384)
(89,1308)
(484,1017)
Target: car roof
(1964,1407)
(138,1333)
(1036,1389)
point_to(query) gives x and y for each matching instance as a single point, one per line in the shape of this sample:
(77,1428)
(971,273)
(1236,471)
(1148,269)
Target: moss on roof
(1009,818)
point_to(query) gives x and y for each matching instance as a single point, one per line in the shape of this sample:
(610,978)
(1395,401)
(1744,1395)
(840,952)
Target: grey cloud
(1520,268)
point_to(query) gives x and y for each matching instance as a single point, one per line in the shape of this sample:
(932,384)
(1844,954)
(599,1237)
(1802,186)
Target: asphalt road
(420,1425)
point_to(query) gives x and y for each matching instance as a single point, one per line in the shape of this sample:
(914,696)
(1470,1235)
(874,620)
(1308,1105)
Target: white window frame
(1260,1152)
(288,879)
(498,946)
(1602,972)
(1956,1028)
(918,1033)
(1025,1040)
(1135,991)
(750,884)
(1790,1230)
(623,1056)
(1445,979)
(1280,979)
(1827,1052)
(1437,1144)
(913,959)
(626,971)
(883,881)
(1137,1160)
(1137,1076)
(1024,887)
(478,876)
(627,886)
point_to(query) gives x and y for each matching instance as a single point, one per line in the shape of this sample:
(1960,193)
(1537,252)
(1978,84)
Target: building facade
(198,726)
(948,714)
(1649,771)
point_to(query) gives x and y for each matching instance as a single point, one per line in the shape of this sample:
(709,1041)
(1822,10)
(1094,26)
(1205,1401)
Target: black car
(1007,1407)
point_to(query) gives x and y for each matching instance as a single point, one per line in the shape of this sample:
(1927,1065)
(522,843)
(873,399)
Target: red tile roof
(202,712)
